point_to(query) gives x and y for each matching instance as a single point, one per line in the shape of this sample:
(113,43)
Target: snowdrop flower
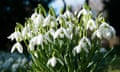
(61,32)
(104,25)
(61,16)
(46,21)
(66,34)
(68,14)
(77,49)
(47,37)
(52,32)
(97,34)
(107,31)
(52,61)
(84,43)
(38,40)
(53,24)
(83,11)
(91,25)
(17,46)
(26,32)
(37,19)
(57,33)
(15,35)
(85,40)
(34,15)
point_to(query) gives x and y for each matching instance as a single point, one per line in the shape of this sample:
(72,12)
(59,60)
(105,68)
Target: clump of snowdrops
(70,42)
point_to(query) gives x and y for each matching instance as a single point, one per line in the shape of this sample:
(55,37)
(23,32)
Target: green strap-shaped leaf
(18,27)
(52,12)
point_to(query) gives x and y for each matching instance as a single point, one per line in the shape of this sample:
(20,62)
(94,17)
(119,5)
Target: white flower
(38,40)
(83,11)
(52,32)
(52,61)
(85,40)
(47,37)
(17,46)
(84,43)
(68,14)
(77,49)
(53,23)
(15,35)
(61,32)
(104,25)
(34,15)
(46,21)
(107,31)
(57,33)
(37,19)
(66,34)
(91,25)
(26,32)
(97,34)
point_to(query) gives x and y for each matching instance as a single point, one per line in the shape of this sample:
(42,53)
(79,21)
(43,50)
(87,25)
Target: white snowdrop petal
(66,34)
(83,11)
(91,25)
(52,61)
(34,15)
(15,35)
(97,34)
(57,33)
(17,46)
(77,49)
(37,40)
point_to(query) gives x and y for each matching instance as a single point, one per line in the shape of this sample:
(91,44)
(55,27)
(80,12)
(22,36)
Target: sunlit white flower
(61,32)
(15,35)
(107,31)
(83,11)
(85,44)
(34,15)
(66,34)
(47,37)
(85,40)
(60,16)
(97,34)
(17,46)
(77,49)
(91,25)
(37,40)
(52,32)
(26,32)
(104,25)
(58,32)
(37,18)
(46,21)
(68,14)
(52,61)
